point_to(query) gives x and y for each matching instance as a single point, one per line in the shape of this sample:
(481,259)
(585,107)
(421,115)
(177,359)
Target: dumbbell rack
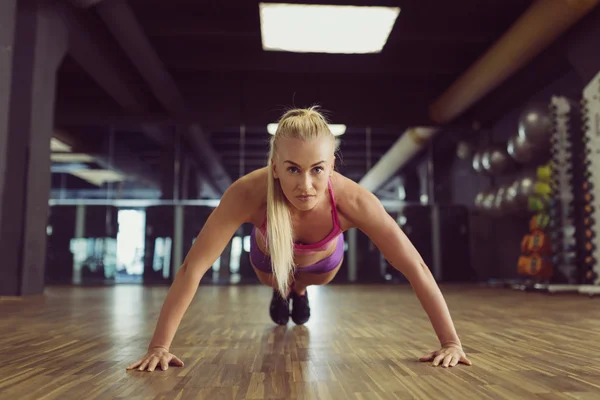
(562,205)
(590,213)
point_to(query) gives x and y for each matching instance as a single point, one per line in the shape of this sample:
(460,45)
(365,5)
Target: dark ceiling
(212,52)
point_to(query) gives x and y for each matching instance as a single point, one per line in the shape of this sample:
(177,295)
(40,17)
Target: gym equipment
(590,184)
(495,160)
(539,243)
(537,204)
(535,124)
(521,150)
(526,186)
(562,224)
(476,163)
(488,200)
(498,202)
(479,200)
(464,150)
(539,222)
(512,202)
(535,265)
(544,173)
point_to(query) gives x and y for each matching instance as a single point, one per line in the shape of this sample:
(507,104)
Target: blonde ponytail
(280,243)
(298,123)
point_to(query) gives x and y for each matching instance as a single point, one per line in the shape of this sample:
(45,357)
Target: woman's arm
(366,213)
(234,210)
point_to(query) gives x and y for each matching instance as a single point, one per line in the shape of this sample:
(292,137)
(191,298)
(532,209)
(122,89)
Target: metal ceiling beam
(124,26)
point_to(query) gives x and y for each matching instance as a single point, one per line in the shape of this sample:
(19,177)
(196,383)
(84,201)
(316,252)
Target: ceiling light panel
(304,28)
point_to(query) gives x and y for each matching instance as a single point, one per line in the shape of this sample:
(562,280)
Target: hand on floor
(448,356)
(156,356)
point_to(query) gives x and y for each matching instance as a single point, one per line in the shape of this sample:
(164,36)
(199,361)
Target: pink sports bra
(322,244)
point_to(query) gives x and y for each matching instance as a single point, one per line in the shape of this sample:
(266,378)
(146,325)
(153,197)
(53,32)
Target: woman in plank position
(300,208)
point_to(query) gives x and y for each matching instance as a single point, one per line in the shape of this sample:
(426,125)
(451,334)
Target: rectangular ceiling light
(58,145)
(325,28)
(71,157)
(98,176)
(336,129)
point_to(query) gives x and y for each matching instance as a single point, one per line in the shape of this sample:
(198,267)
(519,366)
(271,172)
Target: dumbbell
(539,222)
(537,242)
(589,247)
(537,204)
(540,243)
(589,262)
(591,276)
(533,265)
(544,173)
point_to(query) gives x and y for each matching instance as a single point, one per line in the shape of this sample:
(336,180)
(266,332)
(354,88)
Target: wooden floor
(362,342)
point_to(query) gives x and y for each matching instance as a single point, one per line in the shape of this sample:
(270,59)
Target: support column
(8,10)
(38,47)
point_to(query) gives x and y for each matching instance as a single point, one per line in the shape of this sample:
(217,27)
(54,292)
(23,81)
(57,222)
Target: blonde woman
(300,208)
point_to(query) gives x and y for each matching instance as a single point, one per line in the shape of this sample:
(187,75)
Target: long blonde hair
(304,124)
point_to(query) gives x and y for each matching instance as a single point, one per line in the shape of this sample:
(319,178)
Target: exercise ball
(495,160)
(477,162)
(520,149)
(464,150)
(511,201)
(479,198)
(535,124)
(488,200)
(526,187)
(498,207)
(485,160)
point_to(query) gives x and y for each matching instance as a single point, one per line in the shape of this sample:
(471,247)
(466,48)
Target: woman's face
(303,168)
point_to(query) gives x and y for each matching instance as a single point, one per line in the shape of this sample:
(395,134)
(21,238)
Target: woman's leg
(320,273)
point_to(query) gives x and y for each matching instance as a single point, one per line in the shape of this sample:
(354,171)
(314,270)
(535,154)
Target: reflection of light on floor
(128,316)
(236,253)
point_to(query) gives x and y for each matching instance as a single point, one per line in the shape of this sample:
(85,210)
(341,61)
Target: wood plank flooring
(362,342)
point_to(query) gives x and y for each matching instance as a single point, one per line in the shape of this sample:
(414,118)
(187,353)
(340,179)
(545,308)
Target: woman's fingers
(144,364)
(164,363)
(135,364)
(177,361)
(438,359)
(465,360)
(153,362)
(447,360)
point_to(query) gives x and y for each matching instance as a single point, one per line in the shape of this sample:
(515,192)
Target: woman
(300,208)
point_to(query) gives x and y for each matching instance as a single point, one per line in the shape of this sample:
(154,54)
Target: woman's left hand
(448,356)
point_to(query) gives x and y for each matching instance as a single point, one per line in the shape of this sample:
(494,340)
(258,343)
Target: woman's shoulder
(252,186)
(249,193)
(350,197)
(345,189)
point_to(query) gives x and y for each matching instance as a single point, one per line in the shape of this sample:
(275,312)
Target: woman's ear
(274,169)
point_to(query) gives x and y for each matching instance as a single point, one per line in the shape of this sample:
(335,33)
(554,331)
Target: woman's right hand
(153,357)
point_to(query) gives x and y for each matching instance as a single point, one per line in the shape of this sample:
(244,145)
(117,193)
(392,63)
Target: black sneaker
(279,308)
(300,308)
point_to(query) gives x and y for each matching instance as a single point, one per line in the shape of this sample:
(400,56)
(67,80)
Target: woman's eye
(318,170)
(293,169)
